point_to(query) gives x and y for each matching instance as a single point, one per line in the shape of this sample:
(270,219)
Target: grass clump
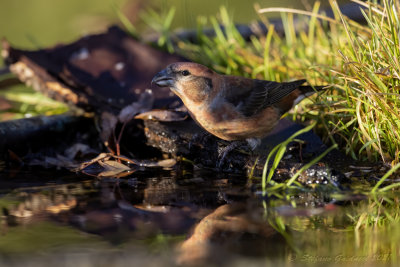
(25,102)
(361,113)
(277,154)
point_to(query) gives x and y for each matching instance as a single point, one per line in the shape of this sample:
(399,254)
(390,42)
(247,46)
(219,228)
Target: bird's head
(190,81)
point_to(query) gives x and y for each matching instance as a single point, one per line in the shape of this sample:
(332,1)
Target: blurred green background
(41,23)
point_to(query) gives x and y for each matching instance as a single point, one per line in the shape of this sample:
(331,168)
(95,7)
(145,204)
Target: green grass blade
(308,165)
(383,179)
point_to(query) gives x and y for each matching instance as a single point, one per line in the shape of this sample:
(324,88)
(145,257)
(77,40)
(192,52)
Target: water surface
(188,217)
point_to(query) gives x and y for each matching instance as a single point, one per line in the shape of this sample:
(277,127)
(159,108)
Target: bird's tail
(308,90)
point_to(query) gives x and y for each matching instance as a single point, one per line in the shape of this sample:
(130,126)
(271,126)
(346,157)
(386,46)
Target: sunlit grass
(361,111)
(275,156)
(25,102)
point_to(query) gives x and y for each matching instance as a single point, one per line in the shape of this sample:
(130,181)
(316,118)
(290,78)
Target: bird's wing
(251,96)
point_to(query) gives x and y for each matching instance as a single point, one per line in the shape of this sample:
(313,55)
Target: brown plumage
(231,107)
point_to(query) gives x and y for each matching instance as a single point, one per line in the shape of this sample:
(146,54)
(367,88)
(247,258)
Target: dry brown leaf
(114,173)
(113,165)
(166,163)
(101,156)
(144,103)
(113,169)
(162,115)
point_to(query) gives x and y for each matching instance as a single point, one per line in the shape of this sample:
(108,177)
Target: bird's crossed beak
(163,79)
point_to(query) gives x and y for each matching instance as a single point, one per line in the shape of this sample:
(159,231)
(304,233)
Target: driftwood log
(103,72)
(44,135)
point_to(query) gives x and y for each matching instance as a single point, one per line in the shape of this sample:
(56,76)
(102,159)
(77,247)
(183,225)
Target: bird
(232,108)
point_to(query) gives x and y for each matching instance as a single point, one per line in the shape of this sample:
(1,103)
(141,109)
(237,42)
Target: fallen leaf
(144,103)
(113,165)
(101,156)
(113,169)
(166,163)
(114,173)
(162,115)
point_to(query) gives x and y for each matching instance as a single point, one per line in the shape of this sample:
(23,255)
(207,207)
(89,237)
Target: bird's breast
(224,121)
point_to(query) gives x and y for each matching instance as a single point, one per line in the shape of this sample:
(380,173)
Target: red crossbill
(232,107)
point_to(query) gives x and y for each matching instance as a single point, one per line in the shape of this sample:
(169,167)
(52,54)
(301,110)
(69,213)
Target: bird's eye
(185,72)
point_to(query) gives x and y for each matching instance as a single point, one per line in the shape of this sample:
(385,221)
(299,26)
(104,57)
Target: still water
(166,218)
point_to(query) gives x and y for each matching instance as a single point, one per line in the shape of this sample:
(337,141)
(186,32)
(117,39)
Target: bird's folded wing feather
(251,96)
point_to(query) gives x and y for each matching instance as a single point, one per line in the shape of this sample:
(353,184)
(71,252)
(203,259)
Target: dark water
(188,217)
